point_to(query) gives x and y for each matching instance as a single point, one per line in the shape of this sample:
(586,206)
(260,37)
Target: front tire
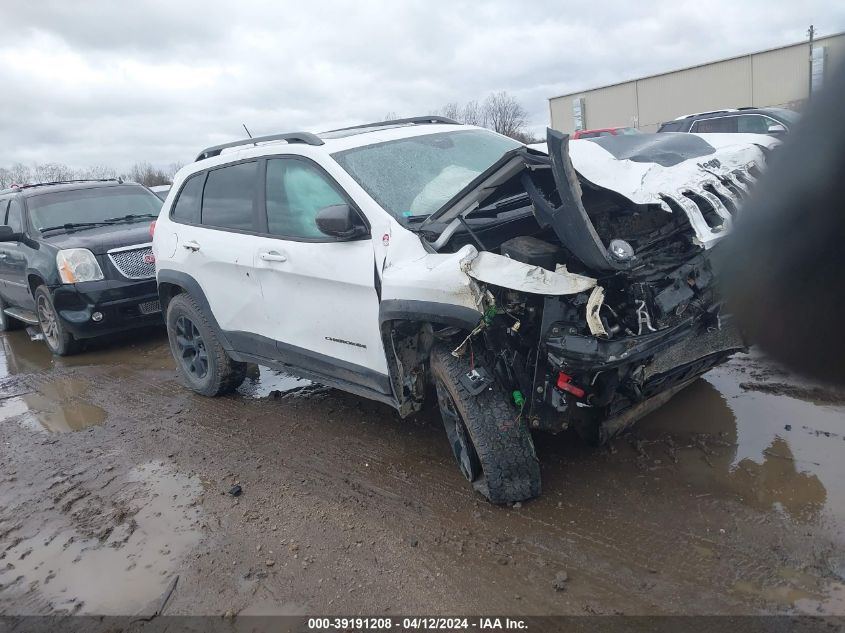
(56,336)
(201,361)
(491,443)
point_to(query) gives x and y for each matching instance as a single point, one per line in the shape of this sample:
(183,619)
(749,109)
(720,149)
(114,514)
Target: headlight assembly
(78,264)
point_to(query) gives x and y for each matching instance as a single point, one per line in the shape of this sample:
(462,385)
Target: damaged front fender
(505,272)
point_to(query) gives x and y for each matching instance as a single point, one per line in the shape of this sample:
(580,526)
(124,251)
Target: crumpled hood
(645,167)
(671,170)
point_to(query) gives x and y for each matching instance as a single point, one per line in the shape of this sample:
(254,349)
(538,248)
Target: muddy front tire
(56,336)
(491,443)
(201,361)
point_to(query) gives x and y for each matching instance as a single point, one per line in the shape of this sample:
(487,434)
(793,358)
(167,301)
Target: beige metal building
(775,77)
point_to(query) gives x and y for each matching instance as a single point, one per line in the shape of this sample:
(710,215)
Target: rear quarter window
(229,196)
(187,205)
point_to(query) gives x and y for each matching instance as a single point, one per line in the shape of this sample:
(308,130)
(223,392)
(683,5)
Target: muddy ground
(115,480)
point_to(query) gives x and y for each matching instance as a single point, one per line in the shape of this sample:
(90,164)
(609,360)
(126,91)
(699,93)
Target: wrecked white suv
(536,290)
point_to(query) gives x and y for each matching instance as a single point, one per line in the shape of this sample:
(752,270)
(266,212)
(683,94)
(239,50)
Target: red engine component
(564,382)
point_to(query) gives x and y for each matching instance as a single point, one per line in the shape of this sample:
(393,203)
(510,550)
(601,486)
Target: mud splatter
(103,553)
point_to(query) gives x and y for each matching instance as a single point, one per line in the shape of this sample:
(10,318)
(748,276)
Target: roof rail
(414,120)
(30,185)
(291,137)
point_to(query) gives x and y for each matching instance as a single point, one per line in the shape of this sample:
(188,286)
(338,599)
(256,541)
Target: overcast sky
(90,83)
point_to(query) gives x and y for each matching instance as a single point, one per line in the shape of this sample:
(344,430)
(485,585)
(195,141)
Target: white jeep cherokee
(567,288)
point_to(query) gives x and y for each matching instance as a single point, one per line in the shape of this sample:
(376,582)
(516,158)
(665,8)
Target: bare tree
(148,175)
(504,114)
(52,172)
(472,114)
(172,168)
(142,171)
(452,111)
(20,174)
(500,112)
(98,172)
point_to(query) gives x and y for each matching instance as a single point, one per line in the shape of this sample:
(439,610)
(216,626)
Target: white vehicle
(160,190)
(382,258)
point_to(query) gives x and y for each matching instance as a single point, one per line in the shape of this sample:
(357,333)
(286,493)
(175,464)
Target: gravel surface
(117,496)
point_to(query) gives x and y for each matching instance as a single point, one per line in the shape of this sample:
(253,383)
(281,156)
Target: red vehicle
(604,131)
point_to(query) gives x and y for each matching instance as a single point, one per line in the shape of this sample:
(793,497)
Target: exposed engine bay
(617,309)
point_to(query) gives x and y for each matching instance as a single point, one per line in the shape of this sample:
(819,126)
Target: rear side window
(296,192)
(229,195)
(719,125)
(753,124)
(15,216)
(674,126)
(187,207)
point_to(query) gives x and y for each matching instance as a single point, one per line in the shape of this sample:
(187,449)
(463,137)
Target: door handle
(191,246)
(272,256)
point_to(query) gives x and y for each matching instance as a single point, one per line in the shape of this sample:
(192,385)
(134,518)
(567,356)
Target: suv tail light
(152,228)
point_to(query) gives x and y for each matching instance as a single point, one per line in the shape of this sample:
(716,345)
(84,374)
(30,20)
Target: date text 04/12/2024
(416,624)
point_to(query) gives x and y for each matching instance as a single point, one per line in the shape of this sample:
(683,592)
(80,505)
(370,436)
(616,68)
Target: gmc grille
(134,263)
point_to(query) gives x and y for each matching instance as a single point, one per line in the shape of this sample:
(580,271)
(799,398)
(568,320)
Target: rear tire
(491,443)
(7,323)
(201,361)
(56,336)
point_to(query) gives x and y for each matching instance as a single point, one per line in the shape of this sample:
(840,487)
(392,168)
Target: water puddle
(109,558)
(800,590)
(770,450)
(262,382)
(141,349)
(57,407)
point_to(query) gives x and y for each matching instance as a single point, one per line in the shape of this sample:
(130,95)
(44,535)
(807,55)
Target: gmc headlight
(78,264)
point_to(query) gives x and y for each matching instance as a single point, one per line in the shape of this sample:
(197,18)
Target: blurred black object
(784,267)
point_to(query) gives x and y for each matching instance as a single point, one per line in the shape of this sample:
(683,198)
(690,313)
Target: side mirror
(7,234)
(776,128)
(341,221)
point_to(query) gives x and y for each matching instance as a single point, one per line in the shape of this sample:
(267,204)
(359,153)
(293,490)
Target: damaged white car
(535,290)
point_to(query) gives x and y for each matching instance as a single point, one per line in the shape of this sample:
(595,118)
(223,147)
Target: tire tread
(511,471)
(229,374)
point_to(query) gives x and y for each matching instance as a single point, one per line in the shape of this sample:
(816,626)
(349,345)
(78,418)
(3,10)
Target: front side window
(228,197)
(414,177)
(719,125)
(14,218)
(187,206)
(79,208)
(296,192)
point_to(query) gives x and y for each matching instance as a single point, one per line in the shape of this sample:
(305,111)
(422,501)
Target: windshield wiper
(132,216)
(72,226)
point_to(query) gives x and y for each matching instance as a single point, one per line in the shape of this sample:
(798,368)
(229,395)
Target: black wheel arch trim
(430,311)
(192,287)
